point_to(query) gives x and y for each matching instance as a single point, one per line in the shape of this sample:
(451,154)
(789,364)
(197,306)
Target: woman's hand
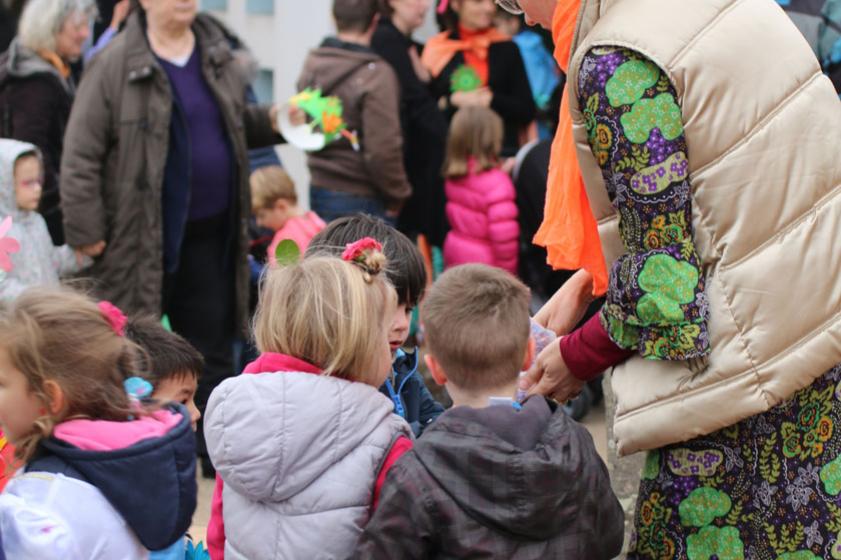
(566,308)
(549,376)
(121,10)
(420,70)
(481,97)
(92,250)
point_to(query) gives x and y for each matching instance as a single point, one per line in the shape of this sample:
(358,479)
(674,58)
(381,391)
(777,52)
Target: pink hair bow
(114,316)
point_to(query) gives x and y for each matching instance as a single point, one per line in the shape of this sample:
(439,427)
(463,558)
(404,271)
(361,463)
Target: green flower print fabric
(655,302)
(767,488)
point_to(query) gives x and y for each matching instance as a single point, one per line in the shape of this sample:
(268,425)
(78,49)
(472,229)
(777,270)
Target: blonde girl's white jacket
(299,454)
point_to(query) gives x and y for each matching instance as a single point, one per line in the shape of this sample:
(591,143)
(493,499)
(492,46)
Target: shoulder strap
(399,446)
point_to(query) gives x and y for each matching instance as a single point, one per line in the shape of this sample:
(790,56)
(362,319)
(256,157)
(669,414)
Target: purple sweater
(211,161)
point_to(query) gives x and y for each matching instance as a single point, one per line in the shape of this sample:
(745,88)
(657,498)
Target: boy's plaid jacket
(498,483)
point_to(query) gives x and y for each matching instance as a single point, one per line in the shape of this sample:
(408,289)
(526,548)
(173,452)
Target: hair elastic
(114,316)
(357,251)
(442,7)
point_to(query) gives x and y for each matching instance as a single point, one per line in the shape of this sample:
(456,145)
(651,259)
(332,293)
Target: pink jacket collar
(107,435)
(273,361)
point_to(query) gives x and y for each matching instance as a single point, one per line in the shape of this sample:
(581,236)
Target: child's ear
(529,358)
(281,204)
(55,395)
(435,370)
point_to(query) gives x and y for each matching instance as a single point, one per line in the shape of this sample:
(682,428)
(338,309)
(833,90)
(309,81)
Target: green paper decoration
(287,253)
(465,79)
(325,112)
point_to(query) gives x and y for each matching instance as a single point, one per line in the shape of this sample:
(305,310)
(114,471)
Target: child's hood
(145,468)
(524,473)
(271,435)
(10,151)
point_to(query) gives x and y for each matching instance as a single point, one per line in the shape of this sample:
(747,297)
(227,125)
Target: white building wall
(280,41)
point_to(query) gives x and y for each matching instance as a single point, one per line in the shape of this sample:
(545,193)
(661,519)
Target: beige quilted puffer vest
(763,128)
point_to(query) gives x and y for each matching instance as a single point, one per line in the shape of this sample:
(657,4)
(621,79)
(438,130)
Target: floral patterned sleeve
(655,301)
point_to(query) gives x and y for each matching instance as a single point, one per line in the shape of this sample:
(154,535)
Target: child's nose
(195,414)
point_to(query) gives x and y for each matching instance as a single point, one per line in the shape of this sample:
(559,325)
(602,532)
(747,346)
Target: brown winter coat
(370,96)
(116,149)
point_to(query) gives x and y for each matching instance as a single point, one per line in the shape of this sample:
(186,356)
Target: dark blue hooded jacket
(412,400)
(152,484)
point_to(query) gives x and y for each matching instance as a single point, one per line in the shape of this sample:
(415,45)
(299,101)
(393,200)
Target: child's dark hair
(405,271)
(169,355)
(355,15)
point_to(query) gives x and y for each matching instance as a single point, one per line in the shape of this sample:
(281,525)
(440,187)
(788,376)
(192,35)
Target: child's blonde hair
(270,184)
(476,132)
(328,312)
(476,320)
(62,336)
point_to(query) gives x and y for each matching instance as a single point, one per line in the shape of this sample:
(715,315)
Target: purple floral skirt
(767,488)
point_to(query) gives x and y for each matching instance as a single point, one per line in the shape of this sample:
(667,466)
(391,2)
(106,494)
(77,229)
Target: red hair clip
(114,316)
(355,252)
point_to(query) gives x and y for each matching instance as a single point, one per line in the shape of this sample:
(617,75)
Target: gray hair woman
(37,88)
(155,177)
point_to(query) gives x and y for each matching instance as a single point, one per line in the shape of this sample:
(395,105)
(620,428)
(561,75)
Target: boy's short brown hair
(270,184)
(354,15)
(476,319)
(169,355)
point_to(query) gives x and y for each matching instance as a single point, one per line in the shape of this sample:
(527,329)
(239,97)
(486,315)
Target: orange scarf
(569,231)
(441,49)
(56,61)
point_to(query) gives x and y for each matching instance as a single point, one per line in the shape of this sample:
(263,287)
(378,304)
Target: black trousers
(199,300)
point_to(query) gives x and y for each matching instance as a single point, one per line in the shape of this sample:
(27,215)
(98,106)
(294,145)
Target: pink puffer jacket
(482,212)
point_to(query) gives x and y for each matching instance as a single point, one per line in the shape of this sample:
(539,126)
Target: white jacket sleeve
(41,519)
(10,286)
(31,532)
(65,262)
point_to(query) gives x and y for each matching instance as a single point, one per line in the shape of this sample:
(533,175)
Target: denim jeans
(330,205)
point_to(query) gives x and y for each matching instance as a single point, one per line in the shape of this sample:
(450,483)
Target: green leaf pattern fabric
(655,302)
(767,488)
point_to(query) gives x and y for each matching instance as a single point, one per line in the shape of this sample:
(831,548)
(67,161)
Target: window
(215,5)
(259,7)
(264,86)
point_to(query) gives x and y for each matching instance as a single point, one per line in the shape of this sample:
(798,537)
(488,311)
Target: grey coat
(116,150)
(497,483)
(299,455)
